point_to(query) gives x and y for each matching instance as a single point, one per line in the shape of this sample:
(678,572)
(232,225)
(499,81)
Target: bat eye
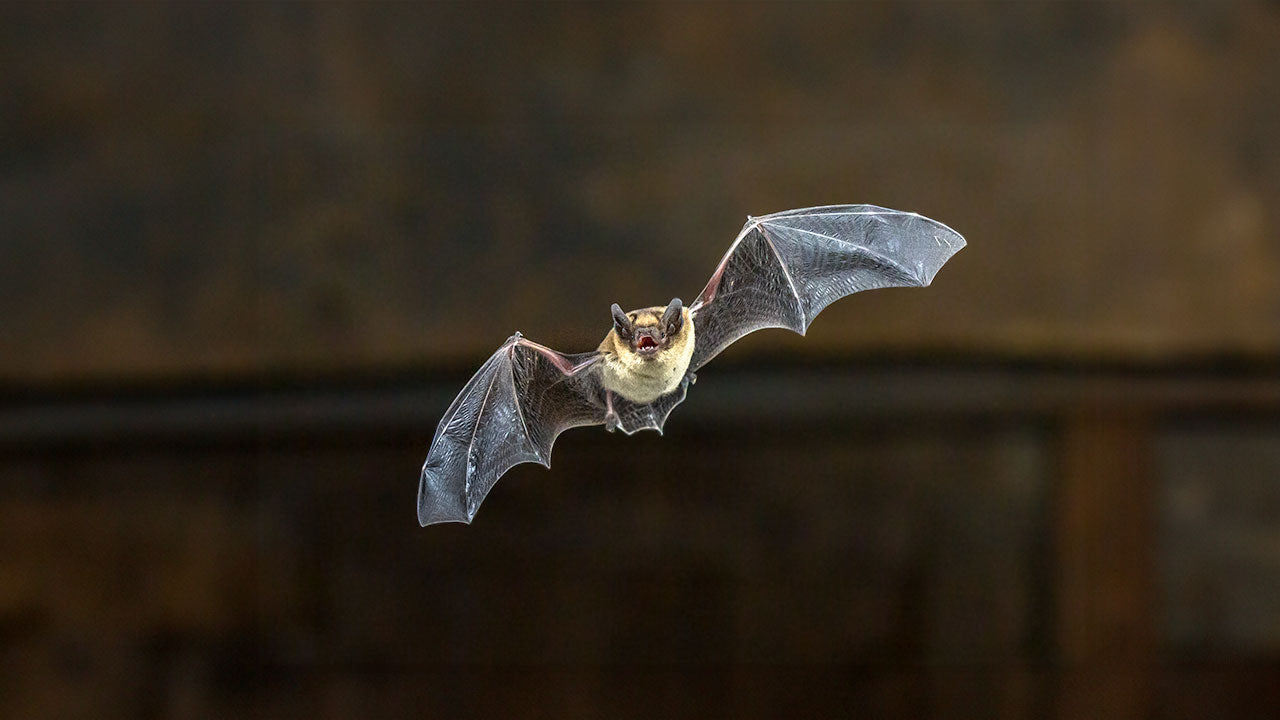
(621,322)
(673,318)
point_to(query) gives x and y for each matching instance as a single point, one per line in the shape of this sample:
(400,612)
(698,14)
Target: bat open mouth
(646,345)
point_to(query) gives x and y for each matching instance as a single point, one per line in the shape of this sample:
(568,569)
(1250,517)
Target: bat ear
(673,318)
(620,320)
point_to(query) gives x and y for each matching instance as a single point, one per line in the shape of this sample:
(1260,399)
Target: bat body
(780,271)
(640,374)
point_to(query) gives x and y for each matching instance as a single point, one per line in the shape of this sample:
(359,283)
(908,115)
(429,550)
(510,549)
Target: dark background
(251,251)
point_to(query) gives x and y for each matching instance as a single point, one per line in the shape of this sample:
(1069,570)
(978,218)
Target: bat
(780,271)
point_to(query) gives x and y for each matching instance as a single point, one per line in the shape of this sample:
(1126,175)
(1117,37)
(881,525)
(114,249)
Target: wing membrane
(510,412)
(783,269)
(633,417)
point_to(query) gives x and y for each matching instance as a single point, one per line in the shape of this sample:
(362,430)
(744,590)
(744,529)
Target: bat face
(648,332)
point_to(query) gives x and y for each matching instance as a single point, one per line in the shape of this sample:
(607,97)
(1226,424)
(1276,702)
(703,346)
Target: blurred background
(251,251)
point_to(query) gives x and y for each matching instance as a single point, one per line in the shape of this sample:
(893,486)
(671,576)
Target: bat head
(650,331)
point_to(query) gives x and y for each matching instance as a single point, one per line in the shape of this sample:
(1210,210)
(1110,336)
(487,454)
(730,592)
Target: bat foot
(691,377)
(611,422)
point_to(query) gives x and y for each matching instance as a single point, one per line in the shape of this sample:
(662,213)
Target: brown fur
(641,379)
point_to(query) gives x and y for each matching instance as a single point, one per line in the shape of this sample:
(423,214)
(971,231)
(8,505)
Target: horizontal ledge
(776,395)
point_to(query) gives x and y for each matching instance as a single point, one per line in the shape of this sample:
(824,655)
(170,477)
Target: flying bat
(780,271)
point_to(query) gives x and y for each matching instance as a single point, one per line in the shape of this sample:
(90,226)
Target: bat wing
(783,269)
(510,412)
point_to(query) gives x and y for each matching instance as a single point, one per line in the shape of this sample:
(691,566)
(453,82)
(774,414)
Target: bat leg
(610,417)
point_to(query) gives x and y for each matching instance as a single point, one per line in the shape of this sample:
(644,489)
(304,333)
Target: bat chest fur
(643,381)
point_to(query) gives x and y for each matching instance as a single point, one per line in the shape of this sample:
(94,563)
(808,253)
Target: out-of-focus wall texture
(249,252)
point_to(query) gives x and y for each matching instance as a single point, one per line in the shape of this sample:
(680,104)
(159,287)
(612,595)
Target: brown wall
(249,253)
(192,189)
